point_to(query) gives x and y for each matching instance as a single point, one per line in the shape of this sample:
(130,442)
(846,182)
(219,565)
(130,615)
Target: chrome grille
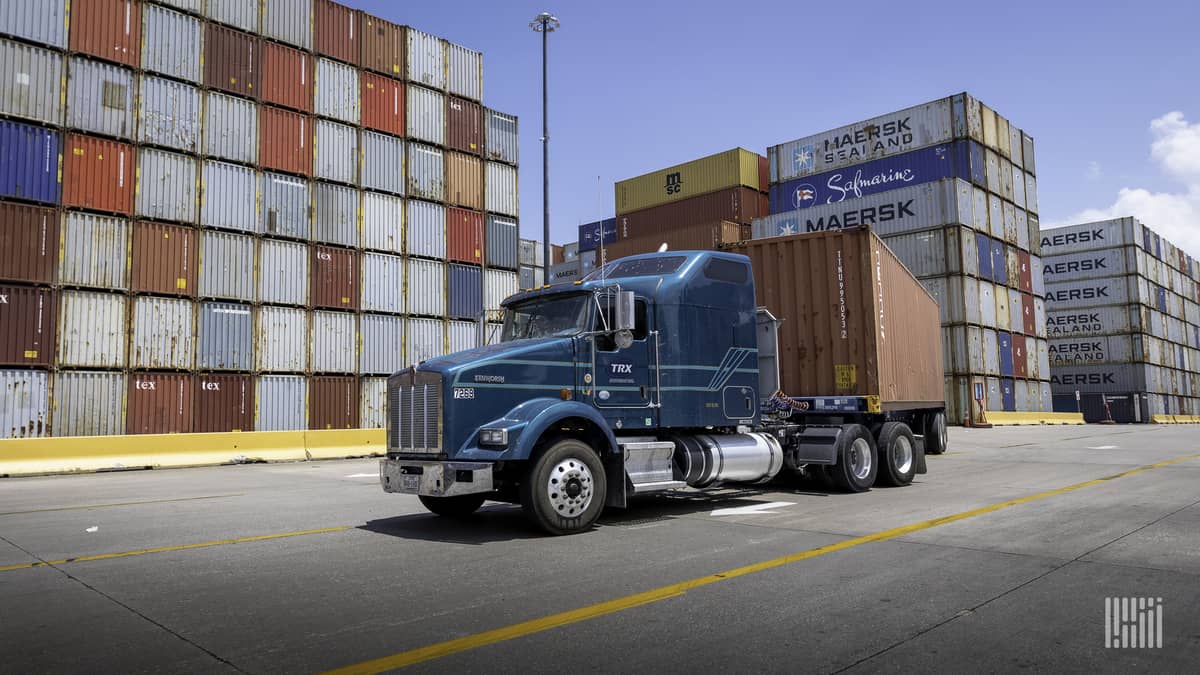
(415,412)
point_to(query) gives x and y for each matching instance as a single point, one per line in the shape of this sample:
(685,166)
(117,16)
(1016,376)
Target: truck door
(623,378)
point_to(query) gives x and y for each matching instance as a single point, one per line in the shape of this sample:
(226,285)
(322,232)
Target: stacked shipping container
(1123,322)
(206,230)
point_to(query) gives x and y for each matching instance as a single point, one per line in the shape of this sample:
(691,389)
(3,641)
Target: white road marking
(363,475)
(1104,447)
(750,510)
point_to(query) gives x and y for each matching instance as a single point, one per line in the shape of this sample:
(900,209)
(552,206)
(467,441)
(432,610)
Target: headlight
(497,437)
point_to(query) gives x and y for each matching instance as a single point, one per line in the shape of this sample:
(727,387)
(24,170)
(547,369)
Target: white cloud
(1175,215)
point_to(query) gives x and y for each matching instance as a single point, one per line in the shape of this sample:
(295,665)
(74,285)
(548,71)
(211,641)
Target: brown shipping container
(1026,272)
(1020,368)
(28,243)
(159,403)
(383,46)
(556,253)
(464,236)
(164,259)
(737,205)
(336,31)
(464,121)
(287,77)
(764,171)
(699,237)
(464,180)
(27,320)
(1028,315)
(854,321)
(285,141)
(109,29)
(231,60)
(224,403)
(333,402)
(334,278)
(382,104)
(98,174)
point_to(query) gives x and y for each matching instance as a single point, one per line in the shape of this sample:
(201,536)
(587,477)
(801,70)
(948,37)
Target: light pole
(545,23)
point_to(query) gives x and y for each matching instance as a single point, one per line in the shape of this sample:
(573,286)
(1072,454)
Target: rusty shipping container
(855,322)
(285,141)
(159,403)
(334,278)
(27,320)
(383,46)
(464,236)
(336,31)
(464,180)
(98,174)
(333,403)
(231,60)
(224,403)
(382,104)
(464,125)
(287,77)
(165,259)
(737,205)
(698,237)
(109,29)
(28,243)
(732,168)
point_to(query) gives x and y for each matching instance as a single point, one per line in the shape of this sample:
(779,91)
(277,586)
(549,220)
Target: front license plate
(410,482)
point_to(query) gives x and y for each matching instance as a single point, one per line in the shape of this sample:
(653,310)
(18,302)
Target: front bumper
(435,479)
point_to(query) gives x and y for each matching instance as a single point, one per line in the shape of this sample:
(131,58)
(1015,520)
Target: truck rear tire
(897,454)
(856,460)
(564,491)
(453,507)
(935,433)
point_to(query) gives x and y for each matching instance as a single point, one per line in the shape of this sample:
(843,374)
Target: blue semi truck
(657,372)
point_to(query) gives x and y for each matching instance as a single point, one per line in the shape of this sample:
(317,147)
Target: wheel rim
(570,487)
(860,458)
(903,455)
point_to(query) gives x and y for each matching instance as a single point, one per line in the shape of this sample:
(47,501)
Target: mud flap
(919,459)
(614,471)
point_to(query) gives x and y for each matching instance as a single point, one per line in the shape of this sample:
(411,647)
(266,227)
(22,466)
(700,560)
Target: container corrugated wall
(424,339)
(164,259)
(464,180)
(335,214)
(231,128)
(382,283)
(163,334)
(464,126)
(280,343)
(500,137)
(332,403)
(336,152)
(159,403)
(461,335)
(499,284)
(281,403)
(100,98)
(383,104)
(501,185)
(25,405)
(425,229)
(31,82)
(33,161)
(426,172)
(382,163)
(502,237)
(337,91)
(426,287)
(285,141)
(44,22)
(382,338)
(332,341)
(426,115)
(383,46)
(229,197)
(88,403)
(373,403)
(171,43)
(237,13)
(223,403)
(286,206)
(166,186)
(287,77)
(91,330)
(232,61)
(224,337)
(288,21)
(95,250)
(283,272)
(110,29)
(426,59)
(98,174)
(382,222)
(335,277)
(226,266)
(464,69)
(464,286)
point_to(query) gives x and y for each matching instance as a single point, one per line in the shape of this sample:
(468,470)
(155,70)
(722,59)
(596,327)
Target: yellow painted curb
(339,443)
(1007,419)
(1175,419)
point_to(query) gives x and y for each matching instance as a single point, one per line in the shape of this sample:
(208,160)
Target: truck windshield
(557,316)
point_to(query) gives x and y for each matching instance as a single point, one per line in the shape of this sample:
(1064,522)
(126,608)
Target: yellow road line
(440,649)
(105,506)
(168,549)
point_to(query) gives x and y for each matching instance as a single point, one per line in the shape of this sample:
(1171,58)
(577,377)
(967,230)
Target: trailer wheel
(563,493)
(897,454)
(856,466)
(453,507)
(936,438)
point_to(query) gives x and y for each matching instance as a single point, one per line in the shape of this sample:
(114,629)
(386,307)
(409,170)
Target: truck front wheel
(563,492)
(897,454)
(453,507)
(856,466)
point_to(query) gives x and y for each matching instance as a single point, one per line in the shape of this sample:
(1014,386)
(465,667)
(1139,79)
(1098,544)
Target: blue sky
(636,86)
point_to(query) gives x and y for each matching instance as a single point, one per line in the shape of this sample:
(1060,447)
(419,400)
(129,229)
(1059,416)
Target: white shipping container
(94,251)
(282,403)
(424,339)
(1002,311)
(929,253)
(283,272)
(88,403)
(241,14)
(426,287)
(171,43)
(231,128)
(426,172)
(279,340)
(1031,358)
(25,406)
(382,344)
(336,152)
(501,189)
(426,116)
(382,283)
(1094,264)
(462,335)
(1031,201)
(91,330)
(166,188)
(500,137)
(286,206)
(987,304)
(44,22)
(164,334)
(100,98)
(382,163)
(1016,311)
(464,68)
(1093,321)
(332,340)
(31,82)
(373,403)
(498,285)
(382,222)
(168,114)
(425,230)
(288,21)
(1094,236)
(226,266)
(229,198)
(337,92)
(991,351)
(426,59)
(335,214)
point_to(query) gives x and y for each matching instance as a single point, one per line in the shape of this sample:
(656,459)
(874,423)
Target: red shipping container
(286,141)
(159,403)
(336,31)
(1028,316)
(27,319)
(98,174)
(1026,272)
(1018,356)
(737,205)
(464,122)
(28,243)
(333,402)
(334,278)
(383,46)
(109,29)
(287,77)
(382,104)
(464,235)
(231,60)
(224,403)
(164,259)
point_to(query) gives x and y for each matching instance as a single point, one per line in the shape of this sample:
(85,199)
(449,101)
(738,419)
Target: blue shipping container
(983,248)
(1004,342)
(999,267)
(1162,299)
(1008,395)
(31,159)
(466,292)
(589,235)
(960,159)
(502,246)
